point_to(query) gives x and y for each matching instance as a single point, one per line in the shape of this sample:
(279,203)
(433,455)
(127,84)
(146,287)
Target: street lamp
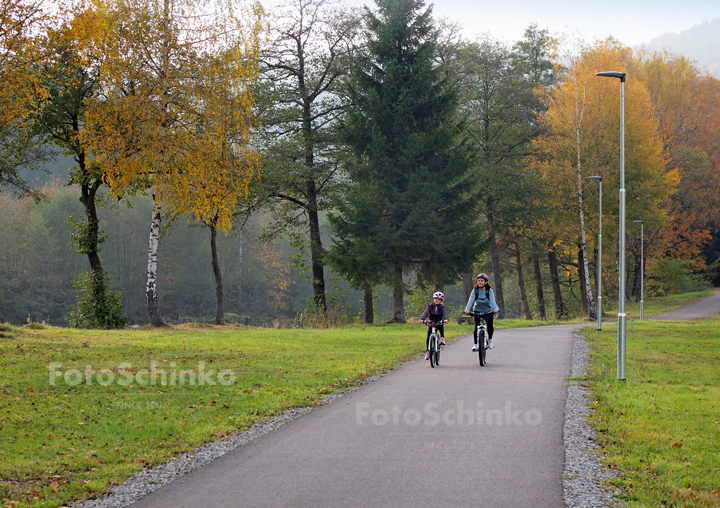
(599,264)
(622,317)
(642,266)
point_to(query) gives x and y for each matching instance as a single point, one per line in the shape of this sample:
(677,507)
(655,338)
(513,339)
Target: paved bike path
(459,435)
(701,308)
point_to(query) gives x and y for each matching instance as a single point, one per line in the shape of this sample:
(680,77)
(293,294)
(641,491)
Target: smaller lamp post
(642,267)
(599,264)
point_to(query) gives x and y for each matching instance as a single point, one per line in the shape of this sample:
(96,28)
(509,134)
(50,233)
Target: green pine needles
(407,205)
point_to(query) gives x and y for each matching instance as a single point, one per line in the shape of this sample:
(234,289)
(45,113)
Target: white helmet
(438,294)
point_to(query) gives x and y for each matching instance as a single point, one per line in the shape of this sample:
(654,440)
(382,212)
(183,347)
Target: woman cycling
(435,312)
(482,302)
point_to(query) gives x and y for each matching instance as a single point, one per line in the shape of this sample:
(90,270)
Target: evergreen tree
(408,200)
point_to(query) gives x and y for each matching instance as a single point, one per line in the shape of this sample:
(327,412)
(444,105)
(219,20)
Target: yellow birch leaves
(176,113)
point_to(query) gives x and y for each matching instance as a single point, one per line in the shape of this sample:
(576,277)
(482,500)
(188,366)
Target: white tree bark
(579,110)
(151,296)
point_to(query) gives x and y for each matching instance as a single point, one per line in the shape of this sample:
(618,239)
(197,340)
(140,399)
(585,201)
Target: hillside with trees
(700,43)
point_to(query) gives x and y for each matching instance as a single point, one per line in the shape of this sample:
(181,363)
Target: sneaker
(475,347)
(490,344)
(427,355)
(442,340)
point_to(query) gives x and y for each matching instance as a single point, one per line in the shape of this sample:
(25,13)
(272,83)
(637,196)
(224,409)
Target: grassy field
(660,430)
(83,410)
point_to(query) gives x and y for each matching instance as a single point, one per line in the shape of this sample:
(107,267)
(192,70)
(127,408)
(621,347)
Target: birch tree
(157,105)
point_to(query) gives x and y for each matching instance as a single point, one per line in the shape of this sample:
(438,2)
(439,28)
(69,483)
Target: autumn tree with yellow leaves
(582,139)
(176,112)
(21,90)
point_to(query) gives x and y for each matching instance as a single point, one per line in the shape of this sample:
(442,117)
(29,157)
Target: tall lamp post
(599,264)
(642,267)
(622,317)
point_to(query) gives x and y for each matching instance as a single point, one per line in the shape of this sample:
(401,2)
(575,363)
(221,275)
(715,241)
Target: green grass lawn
(660,430)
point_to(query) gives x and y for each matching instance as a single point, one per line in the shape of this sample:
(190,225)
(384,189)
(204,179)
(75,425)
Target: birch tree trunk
(581,277)
(521,280)
(585,272)
(579,112)
(151,296)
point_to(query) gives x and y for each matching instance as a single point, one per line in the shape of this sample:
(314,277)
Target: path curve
(702,308)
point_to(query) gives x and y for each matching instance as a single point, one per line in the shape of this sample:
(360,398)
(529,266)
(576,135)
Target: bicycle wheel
(433,350)
(481,347)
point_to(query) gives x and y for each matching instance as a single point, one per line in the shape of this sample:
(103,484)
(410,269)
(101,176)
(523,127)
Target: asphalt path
(699,309)
(458,435)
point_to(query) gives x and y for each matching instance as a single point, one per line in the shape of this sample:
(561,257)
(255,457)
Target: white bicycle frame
(483,328)
(434,338)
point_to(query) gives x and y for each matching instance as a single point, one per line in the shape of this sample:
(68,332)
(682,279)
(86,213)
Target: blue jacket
(484,304)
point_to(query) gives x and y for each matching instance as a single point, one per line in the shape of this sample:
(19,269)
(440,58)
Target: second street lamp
(642,267)
(622,317)
(599,260)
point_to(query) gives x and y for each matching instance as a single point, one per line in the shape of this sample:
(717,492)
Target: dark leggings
(441,332)
(489,323)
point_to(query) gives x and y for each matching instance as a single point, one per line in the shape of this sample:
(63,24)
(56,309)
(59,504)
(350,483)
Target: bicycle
(482,337)
(434,345)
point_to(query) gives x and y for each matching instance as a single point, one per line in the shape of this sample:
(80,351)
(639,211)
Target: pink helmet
(438,294)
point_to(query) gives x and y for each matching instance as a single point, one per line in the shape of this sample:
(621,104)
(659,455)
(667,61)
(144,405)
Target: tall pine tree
(408,203)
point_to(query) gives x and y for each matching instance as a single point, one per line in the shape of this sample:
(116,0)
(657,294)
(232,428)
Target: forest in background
(282,148)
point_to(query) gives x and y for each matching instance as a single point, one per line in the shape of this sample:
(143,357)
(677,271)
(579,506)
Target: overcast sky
(633,22)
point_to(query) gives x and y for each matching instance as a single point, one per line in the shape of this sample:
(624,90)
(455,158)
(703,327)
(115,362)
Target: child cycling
(436,314)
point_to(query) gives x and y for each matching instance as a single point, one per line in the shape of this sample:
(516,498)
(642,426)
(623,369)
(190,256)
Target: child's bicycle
(482,337)
(434,345)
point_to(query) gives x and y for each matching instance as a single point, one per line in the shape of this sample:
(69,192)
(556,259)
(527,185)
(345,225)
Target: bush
(98,304)
(673,276)
(34,326)
(333,317)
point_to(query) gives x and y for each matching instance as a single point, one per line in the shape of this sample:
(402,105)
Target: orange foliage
(686,102)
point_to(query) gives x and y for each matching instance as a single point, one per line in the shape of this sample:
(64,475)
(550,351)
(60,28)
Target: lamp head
(638,221)
(612,74)
(595,178)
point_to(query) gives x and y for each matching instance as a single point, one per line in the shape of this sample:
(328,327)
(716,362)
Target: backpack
(487,293)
